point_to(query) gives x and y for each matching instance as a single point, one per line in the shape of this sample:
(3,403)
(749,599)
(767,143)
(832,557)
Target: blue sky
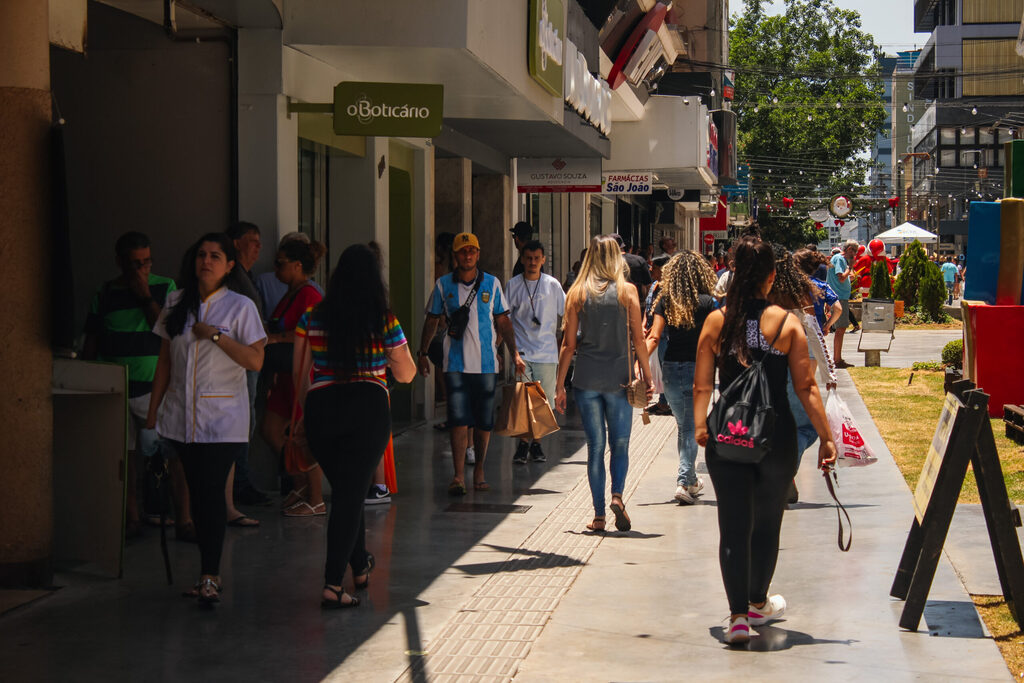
(891,22)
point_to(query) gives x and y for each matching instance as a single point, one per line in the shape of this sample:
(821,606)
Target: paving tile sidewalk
(651,606)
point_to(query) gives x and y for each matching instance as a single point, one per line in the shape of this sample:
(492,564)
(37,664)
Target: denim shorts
(470,399)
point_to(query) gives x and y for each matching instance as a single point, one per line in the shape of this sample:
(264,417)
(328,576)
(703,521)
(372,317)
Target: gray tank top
(601,362)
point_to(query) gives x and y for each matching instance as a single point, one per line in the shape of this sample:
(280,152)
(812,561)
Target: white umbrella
(907,233)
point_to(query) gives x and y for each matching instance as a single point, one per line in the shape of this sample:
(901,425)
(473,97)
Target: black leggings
(206,468)
(347,427)
(751,500)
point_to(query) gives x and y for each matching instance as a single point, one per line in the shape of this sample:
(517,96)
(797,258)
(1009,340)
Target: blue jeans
(678,381)
(949,293)
(598,409)
(806,434)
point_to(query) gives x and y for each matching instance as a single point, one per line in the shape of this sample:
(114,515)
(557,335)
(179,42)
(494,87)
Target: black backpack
(742,422)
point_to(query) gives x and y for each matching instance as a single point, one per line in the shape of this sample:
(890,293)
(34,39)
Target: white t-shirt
(207,399)
(536,343)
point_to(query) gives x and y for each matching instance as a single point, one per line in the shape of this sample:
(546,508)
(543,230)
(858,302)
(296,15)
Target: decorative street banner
(559,175)
(411,110)
(626,183)
(728,81)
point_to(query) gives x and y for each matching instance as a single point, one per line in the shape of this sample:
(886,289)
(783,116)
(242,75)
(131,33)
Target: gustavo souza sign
(412,110)
(559,175)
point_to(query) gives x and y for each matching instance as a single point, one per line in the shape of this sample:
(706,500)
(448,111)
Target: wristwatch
(215,337)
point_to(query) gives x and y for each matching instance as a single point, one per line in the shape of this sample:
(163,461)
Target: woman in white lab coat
(200,402)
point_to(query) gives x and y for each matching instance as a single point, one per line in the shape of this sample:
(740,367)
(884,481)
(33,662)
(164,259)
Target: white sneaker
(696,489)
(683,496)
(739,631)
(470,456)
(773,609)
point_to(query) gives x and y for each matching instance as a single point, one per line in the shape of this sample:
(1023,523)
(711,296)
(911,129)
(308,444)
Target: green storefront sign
(411,110)
(544,51)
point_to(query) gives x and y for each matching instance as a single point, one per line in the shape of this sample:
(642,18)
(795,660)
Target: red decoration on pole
(787,202)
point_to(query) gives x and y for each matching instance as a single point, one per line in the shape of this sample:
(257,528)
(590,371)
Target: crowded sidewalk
(507,584)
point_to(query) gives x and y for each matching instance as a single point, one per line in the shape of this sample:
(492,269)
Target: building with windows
(880,176)
(970,78)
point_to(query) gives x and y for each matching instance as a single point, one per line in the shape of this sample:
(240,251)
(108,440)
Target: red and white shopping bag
(853,449)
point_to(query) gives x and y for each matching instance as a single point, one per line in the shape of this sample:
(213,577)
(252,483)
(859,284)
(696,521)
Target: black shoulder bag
(458,320)
(742,423)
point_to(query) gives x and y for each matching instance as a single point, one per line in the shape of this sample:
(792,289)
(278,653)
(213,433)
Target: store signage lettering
(545,48)
(588,95)
(626,183)
(558,175)
(412,110)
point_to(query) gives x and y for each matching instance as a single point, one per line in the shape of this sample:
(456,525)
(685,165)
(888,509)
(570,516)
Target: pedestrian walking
(200,401)
(537,303)
(604,311)
(950,276)
(344,348)
(684,301)
(477,312)
(751,495)
(294,264)
(840,279)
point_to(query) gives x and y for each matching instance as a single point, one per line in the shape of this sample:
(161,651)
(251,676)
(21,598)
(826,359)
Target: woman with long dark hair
(349,341)
(684,301)
(605,309)
(295,263)
(200,401)
(751,496)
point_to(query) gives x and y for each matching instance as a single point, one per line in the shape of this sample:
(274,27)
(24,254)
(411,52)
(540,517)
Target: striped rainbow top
(372,363)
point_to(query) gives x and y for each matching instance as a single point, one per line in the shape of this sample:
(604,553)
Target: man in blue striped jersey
(471,300)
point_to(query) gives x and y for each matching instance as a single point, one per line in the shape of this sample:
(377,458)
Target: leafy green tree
(792,231)
(798,64)
(881,287)
(912,268)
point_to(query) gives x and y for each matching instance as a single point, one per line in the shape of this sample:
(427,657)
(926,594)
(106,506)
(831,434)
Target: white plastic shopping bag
(656,376)
(853,450)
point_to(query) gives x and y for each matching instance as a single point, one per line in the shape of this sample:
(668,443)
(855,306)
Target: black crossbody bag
(459,320)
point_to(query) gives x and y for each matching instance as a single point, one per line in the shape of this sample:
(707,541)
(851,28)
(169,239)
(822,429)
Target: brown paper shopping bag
(514,418)
(542,418)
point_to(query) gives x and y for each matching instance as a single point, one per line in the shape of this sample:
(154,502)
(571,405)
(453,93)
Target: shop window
(947,158)
(989,157)
(966,136)
(985,136)
(968,158)
(947,136)
(1005,135)
(313,197)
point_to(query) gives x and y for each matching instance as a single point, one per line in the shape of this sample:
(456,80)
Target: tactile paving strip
(485,641)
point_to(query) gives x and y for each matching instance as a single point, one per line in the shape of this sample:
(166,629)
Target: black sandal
(370,564)
(338,604)
(622,522)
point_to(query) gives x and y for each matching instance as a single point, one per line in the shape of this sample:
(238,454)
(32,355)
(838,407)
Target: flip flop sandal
(243,521)
(593,526)
(304,509)
(194,591)
(622,522)
(481,486)
(456,488)
(338,604)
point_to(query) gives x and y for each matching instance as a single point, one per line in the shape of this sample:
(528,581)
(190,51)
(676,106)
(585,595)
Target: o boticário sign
(558,175)
(411,110)
(627,183)
(545,50)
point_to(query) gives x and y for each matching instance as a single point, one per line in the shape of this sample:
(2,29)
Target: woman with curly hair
(682,304)
(794,291)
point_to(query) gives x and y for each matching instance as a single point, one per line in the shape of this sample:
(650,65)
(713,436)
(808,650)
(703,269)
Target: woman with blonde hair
(602,318)
(684,301)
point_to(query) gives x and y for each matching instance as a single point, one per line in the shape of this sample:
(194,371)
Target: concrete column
(492,220)
(268,138)
(26,414)
(423,187)
(453,195)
